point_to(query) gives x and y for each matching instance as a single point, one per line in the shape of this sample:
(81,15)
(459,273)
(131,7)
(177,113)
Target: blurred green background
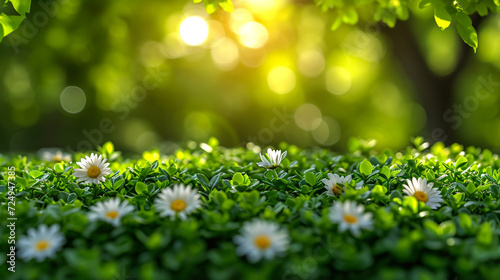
(149,73)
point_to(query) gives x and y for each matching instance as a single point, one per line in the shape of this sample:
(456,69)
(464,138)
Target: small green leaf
(443,19)
(140,188)
(461,161)
(310,178)
(469,35)
(22,6)
(350,16)
(471,188)
(10,23)
(485,234)
(238,179)
(366,167)
(459,197)
(59,168)
(36,174)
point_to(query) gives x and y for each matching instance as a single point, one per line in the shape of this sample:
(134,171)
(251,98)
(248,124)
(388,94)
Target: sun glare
(194,31)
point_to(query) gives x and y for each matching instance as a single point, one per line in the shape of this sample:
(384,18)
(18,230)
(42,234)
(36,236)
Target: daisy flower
(93,169)
(179,200)
(110,211)
(335,183)
(40,244)
(423,192)
(261,240)
(53,154)
(271,159)
(350,215)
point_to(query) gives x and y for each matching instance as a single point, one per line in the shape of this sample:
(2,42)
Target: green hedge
(407,240)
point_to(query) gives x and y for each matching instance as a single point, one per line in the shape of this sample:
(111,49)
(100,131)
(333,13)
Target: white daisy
(261,239)
(423,192)
(40,244)
(179,200)
(271,159)
(93,169)
(110,211)
(335,184)
(53,154)
(350,215)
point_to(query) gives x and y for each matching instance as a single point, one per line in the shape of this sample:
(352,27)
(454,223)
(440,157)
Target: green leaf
(59,168)
(443,19)
(459,197)
(396,194)
(425,3)
(386,171)
(366,167)
(140,188)
(10,23)
(108,148)
(350,16)
(35,174)
(411,203)
(310,178)
(203,179)
(238,179)
(462,161)
(468,34)
(485,234)
(471,188)
(227,6)
(22,6)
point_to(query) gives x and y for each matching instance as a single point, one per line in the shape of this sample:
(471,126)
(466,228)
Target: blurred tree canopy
(76,74)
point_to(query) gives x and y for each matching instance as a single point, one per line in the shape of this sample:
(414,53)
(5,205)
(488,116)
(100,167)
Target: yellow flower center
(337,189)
(93,172)
(42,245)
(57,158)
(350,219)
(178,205)
(262,242)
(112,214)
(421,196)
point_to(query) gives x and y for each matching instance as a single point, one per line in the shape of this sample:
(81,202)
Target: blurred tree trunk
(436,93)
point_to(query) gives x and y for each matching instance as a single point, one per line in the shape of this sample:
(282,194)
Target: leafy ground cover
(313,215)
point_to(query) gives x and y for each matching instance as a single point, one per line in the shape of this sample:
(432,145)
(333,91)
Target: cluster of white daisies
(257,240)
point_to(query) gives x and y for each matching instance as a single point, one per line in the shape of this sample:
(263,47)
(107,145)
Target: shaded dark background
(145,87)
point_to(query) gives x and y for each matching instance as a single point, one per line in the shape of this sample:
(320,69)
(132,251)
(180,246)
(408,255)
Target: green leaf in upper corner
(336,23)
(1,32)
(442,17)
(22,6)
(10,23)
(226,5)
(425,3)
(366,167)
(196,1)
(211,5)
(350,16)
(469,35)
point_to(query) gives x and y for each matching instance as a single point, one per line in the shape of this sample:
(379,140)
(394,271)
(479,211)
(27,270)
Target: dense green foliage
(10,20)
(389,11)
(409,240)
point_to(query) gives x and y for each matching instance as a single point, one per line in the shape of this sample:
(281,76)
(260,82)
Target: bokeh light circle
(308,117)
(194,31)
(73,99)
(338,80)
(281,80)
(311,63)
(253,35)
